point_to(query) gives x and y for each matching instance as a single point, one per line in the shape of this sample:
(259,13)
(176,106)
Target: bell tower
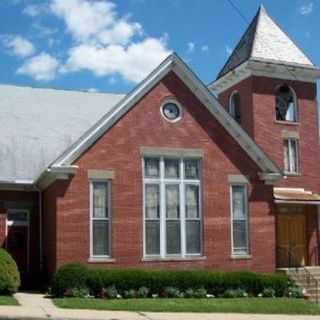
(268,85)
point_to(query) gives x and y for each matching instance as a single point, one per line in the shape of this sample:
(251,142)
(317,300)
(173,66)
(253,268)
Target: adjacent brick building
(169,176)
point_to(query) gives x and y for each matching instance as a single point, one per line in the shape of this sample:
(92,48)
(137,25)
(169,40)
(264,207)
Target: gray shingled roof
(38,125)
(264,40)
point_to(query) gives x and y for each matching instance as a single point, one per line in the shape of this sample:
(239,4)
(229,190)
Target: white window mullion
(162,211)
(182,211)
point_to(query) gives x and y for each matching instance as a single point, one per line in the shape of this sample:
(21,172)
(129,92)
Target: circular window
(171,111)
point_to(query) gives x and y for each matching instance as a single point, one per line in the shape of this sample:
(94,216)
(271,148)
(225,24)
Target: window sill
(187,258)
(289,123)
(101,260)
(292,174)
(241,256)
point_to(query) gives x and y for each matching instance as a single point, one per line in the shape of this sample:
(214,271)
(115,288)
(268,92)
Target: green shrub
(109,293)
(9,274)
(143,292)
(268,293)
(129,294)
(294,292)
(171,292)
(189,293)
(200,293)
(157,282)
(69,277)
(77,293)
(235,293)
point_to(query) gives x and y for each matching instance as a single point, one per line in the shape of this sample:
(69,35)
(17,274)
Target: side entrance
(17,240)
(297,236)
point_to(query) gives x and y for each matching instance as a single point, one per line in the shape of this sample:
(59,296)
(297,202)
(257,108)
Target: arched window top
(286,104)
(235,106)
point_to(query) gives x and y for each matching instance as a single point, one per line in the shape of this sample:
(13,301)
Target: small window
(291,156)
(100,219)
(239,216)
(171,111)
(235,107)
(286,104)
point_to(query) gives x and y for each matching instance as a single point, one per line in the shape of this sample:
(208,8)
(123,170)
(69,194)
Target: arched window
(235,106)
(286,104)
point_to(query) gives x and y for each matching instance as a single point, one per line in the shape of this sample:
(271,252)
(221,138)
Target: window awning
(295,196)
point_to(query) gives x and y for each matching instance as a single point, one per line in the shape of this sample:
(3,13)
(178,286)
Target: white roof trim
(315,203)
(173,62)
(264,69)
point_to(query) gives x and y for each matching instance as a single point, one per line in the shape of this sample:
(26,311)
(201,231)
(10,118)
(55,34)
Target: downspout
(40,232)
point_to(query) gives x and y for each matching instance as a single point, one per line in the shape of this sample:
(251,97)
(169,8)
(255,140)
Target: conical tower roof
(265,41)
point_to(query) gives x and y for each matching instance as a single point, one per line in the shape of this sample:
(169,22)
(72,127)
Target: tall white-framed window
(239,219)
(100,219)
(235,106)
(172,207)
(291,155)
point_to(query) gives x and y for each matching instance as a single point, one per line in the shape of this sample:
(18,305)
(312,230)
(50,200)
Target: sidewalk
(35,306)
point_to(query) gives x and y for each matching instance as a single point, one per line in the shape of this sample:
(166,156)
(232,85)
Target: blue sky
(111,45)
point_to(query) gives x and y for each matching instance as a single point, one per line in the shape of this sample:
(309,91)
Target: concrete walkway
(36,306)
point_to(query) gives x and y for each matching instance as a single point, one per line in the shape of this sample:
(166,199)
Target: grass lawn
(8,301)
(242,305)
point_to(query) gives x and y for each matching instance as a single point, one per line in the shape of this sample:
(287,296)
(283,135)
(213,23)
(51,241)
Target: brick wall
(258,106)
(118,150)
(49,228)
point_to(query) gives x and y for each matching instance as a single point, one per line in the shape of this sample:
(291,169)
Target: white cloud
(133,62)
(84,19)
(43,30)
(18,45)
(306,9)
(191,46)
(33,10)
(205,48)
(105,43)
(228,50)
(120,33)
(42,67)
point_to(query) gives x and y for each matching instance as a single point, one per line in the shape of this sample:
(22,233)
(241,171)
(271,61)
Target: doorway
(17,240)
(292,240)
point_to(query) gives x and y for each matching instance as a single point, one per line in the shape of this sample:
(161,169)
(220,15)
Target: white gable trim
(264,68)
(174,63)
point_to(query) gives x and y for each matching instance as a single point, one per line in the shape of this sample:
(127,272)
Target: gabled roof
(264,41)
(172,63)
(38,125)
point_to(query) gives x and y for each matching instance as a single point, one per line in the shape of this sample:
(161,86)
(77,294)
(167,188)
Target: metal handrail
(294,268)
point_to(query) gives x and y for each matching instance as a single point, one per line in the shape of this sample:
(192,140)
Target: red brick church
(174,174)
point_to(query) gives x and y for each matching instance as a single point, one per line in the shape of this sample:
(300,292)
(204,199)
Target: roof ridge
(224,69)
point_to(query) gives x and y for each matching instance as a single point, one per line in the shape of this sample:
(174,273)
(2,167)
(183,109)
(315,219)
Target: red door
(18,237)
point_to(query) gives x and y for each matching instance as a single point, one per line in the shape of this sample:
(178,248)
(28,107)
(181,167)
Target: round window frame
(179,107)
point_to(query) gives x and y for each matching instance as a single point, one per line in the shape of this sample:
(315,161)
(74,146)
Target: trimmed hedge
(216,283)
(68,277)
(9,274)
